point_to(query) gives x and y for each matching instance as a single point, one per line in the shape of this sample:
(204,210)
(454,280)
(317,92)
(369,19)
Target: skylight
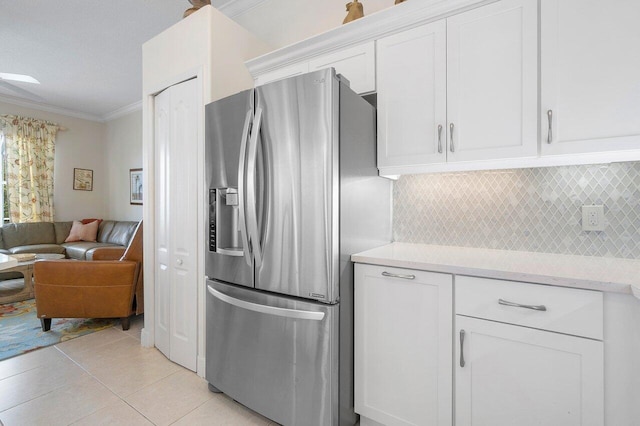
(18,77)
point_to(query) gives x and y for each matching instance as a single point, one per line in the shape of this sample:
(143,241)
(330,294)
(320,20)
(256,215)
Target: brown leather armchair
(91,288)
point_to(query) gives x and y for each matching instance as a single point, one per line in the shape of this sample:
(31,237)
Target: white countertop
(593,273)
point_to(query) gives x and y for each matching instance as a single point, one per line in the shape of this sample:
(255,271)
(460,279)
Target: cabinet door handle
(451,147)
(518,305)
(550,120)
(403,276)
(462,333)
(439,138)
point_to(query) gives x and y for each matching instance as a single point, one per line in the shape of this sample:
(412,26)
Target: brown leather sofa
(92,289)
(48,237)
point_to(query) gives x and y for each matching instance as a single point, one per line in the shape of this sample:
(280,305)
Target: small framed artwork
(83,179)
(135,186)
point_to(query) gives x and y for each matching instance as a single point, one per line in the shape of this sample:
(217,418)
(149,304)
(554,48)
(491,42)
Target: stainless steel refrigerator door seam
(252,218)
(241,188)
(266,309)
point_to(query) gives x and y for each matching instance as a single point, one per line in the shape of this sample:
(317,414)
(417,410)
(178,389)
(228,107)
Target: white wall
(81,146)
(123,151)
(283,22)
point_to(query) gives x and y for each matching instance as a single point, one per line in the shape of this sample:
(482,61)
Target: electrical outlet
(593,218)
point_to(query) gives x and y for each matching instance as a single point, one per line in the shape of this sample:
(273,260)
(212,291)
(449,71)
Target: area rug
(21,332)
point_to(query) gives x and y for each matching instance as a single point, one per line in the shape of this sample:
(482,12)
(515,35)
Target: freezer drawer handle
(403,276)
(269,310)
(518,305)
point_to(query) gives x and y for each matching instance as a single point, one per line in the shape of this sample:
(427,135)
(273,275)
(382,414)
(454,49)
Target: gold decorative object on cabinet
(399,1)
(197,4)
(354,11)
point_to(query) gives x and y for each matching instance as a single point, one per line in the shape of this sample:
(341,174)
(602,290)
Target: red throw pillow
(86,221)
(80,232)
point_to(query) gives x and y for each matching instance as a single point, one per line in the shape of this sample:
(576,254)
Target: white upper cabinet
(459,90)
(590,97)
(356,64)
(412,104)
(480,84)
(492,82)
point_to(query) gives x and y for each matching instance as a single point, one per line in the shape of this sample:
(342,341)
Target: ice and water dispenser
(224,225)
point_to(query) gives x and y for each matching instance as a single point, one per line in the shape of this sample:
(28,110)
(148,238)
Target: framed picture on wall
(83,179)
(135,186)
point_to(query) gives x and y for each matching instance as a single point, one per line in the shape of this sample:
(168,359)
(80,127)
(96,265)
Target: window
(4,211)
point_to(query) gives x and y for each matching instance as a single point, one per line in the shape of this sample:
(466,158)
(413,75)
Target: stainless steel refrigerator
(293,192)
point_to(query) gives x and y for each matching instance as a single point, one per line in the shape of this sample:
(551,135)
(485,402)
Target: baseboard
(201,366)
(145,339)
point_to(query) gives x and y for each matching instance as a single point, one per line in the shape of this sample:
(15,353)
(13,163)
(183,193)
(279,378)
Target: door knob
(179,262)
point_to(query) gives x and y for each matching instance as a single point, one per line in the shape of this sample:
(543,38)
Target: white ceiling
(86,54)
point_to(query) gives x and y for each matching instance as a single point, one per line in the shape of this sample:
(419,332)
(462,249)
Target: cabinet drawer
(567,310)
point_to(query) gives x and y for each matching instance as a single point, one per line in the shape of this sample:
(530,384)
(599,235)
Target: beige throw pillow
(80,232)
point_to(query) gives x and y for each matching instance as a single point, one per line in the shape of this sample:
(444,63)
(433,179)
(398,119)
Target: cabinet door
(176,186)
(411,72)
(282,73)
(517,375)
(403,323)
(590,76)
(492,82)
(357,64)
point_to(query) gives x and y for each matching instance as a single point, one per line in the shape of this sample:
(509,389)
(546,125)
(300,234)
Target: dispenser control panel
(212,220)
(224,226)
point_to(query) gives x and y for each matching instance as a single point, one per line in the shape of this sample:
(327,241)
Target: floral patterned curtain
(30,148)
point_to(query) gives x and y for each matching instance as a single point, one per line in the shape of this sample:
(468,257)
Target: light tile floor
(107,378)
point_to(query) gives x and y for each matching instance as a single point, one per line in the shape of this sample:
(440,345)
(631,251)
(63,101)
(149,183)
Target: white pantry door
(176,214)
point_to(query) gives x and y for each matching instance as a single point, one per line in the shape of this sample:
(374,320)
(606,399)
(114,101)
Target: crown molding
(120,112)
(388,21)
(233,8)
(50,108)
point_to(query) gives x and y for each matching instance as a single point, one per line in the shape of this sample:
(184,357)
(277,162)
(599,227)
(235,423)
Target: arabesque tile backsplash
(522,209)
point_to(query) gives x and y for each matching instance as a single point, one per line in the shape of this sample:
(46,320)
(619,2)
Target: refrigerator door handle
(252,218)
(241,189)
(265,309)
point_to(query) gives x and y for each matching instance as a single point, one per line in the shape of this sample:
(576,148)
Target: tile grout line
(121,398)
(37,396)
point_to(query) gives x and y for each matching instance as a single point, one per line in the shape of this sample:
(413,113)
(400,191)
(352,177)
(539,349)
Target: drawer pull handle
(439,138)
(518,305)
(451,147)
(406,277)
(549,132)
(462,333)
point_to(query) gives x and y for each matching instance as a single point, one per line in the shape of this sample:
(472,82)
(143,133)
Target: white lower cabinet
(508,374)
(403,346)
